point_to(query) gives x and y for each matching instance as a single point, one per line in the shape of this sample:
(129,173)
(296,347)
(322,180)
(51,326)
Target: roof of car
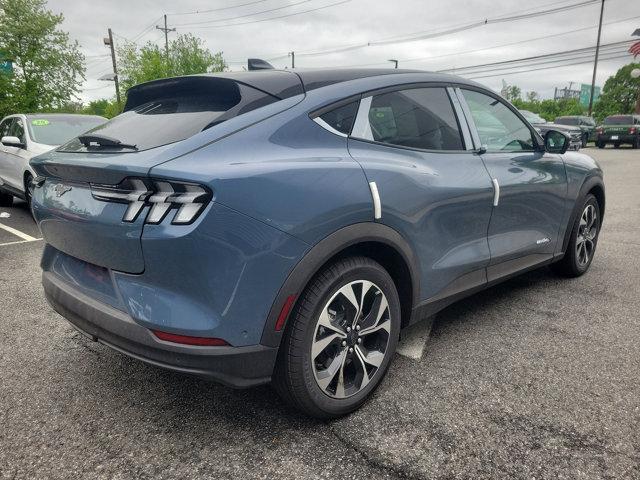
(279,83)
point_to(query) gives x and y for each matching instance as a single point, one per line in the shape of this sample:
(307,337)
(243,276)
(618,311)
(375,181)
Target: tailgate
(77,223)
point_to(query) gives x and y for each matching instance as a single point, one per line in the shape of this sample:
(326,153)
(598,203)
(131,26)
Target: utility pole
(595,63)
(109,41)
(293,59)
(166,31)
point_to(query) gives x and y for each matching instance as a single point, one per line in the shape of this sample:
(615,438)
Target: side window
(5,127)
(498,127)
(418,118)
(341,119)
(17,130)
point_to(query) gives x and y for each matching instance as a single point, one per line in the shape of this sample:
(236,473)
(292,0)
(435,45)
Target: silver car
(23,136)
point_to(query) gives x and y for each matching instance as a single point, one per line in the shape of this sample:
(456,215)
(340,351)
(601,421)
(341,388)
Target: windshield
(532,117)
(619,120)
(58,129)
(567,121)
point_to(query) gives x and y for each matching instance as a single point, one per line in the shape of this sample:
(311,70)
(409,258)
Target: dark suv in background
(586,124)
(619,129)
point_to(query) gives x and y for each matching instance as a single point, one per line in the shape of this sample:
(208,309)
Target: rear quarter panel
(287,172)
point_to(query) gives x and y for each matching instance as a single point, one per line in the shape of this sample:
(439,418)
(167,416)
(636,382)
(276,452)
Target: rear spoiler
(278,83)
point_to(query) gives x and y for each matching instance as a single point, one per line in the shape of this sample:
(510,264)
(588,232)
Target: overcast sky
(356,22)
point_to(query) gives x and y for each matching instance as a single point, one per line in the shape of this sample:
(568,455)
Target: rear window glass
(342,118)
(160,115)
(56,130)
(567,121)
(619,120)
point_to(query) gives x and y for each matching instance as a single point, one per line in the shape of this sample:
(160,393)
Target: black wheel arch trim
(587,186)
(321,253)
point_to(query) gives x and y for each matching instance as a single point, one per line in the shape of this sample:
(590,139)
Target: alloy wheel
(350,339)
(587,233)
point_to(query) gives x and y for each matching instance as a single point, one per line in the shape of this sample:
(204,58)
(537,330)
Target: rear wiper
(103,141)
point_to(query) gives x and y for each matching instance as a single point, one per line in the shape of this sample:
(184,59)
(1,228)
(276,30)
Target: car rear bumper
(232,366)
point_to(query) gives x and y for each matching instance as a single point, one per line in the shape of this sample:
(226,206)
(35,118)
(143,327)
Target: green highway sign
(585,93)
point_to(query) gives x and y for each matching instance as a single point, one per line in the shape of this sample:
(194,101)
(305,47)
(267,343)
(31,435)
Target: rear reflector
(187,340)
(284,313)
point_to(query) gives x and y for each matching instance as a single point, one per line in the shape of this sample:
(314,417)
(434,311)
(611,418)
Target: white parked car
(22,137)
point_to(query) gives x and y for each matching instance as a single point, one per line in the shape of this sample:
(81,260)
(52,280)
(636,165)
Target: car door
(5,154)
(17,157)
(530,185)
(432,188)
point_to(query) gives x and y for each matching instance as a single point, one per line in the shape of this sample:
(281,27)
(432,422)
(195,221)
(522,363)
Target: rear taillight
(162,196)
(632,130)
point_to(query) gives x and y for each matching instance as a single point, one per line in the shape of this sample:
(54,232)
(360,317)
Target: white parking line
(20,241)
(413,339)
(18,233)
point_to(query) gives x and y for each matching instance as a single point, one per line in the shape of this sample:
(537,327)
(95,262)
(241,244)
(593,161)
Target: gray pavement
(536,378)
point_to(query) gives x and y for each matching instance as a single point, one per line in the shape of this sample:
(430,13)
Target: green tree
(619,94)
(512,93)
(48,67)
(187,56)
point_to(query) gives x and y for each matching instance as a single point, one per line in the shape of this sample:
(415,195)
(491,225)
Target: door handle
(496,192)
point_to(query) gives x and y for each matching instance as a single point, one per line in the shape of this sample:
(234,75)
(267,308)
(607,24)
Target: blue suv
(284,226)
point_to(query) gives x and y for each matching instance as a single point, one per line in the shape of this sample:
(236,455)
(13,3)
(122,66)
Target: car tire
(636,143)
(6,199)
(585,139)
(583,241)
(324,329)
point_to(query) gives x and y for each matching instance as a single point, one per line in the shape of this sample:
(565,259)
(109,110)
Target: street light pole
(595,63)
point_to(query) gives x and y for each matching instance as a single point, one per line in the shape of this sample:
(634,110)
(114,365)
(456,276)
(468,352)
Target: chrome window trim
(328,127)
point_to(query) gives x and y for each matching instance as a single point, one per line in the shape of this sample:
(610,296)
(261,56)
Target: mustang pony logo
(61,189)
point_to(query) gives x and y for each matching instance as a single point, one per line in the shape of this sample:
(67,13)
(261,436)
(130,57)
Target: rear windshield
(567,121)
(167,112)
(56,130)
(619,120)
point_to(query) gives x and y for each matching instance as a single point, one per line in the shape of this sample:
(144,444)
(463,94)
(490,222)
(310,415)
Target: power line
(217,9)
(424,35)
(586,56)
(206,22)
(275,18)
(626,55)
(536,57)
(520,42)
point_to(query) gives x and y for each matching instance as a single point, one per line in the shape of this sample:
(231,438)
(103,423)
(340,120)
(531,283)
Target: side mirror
(12,142)
(556,142)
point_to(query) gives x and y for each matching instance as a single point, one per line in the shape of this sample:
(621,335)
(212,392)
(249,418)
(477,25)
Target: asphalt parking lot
(536,378)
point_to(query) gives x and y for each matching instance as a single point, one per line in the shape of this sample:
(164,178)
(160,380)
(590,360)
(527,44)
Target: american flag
(635,49)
